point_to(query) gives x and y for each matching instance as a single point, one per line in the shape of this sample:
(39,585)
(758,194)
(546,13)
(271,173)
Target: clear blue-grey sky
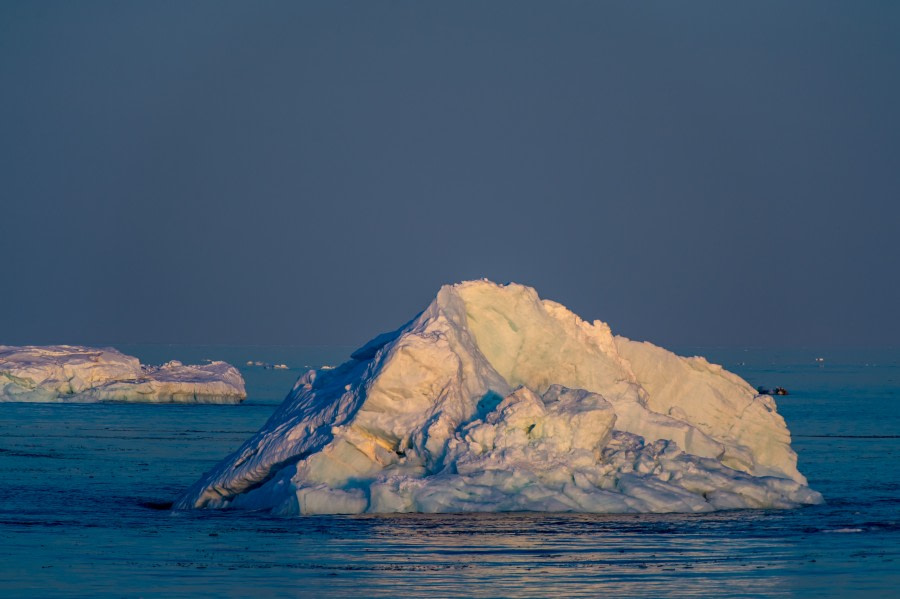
(693,173)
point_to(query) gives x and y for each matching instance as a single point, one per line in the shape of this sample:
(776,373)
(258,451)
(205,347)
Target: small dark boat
(776,391)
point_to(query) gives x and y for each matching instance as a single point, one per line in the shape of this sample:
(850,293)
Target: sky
(310,173)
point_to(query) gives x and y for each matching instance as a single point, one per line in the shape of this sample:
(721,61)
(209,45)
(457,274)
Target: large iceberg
(68,373)
(495,400)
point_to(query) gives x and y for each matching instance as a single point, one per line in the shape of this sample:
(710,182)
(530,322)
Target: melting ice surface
(70,373)
(495,400)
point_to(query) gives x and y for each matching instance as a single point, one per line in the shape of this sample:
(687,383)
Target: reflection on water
(83,486)
(533,555)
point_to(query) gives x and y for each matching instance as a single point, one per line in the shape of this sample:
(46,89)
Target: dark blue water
(83,486)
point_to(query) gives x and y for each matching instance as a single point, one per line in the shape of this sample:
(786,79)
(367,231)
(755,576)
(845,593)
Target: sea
(85,491)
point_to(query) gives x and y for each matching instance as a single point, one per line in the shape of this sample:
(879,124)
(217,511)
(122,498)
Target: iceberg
(68,373)
(493,399)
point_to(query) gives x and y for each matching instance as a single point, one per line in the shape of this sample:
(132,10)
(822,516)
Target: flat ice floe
(495,400)
(68,373)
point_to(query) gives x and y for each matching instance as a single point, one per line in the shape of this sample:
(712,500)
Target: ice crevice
(493,399)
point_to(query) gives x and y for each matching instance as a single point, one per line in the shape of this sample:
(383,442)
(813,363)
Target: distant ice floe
(495,400)
(69,373)
(266,365)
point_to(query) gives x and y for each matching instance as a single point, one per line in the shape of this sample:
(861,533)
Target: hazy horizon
(309,174)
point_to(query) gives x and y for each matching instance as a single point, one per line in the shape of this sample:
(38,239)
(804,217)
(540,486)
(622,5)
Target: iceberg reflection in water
(83,484)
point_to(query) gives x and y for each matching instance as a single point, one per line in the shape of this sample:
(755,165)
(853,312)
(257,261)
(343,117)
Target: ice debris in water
(266,365)
(495,400)
(69,373)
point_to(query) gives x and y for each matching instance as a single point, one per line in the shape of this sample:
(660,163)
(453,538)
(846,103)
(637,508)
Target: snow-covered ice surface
(84,484)
(495,400)
(68,373)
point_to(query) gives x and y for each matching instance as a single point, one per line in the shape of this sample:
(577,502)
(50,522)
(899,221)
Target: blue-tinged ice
(493,399)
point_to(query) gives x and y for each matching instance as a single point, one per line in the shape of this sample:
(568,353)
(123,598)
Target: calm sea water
(83,486)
